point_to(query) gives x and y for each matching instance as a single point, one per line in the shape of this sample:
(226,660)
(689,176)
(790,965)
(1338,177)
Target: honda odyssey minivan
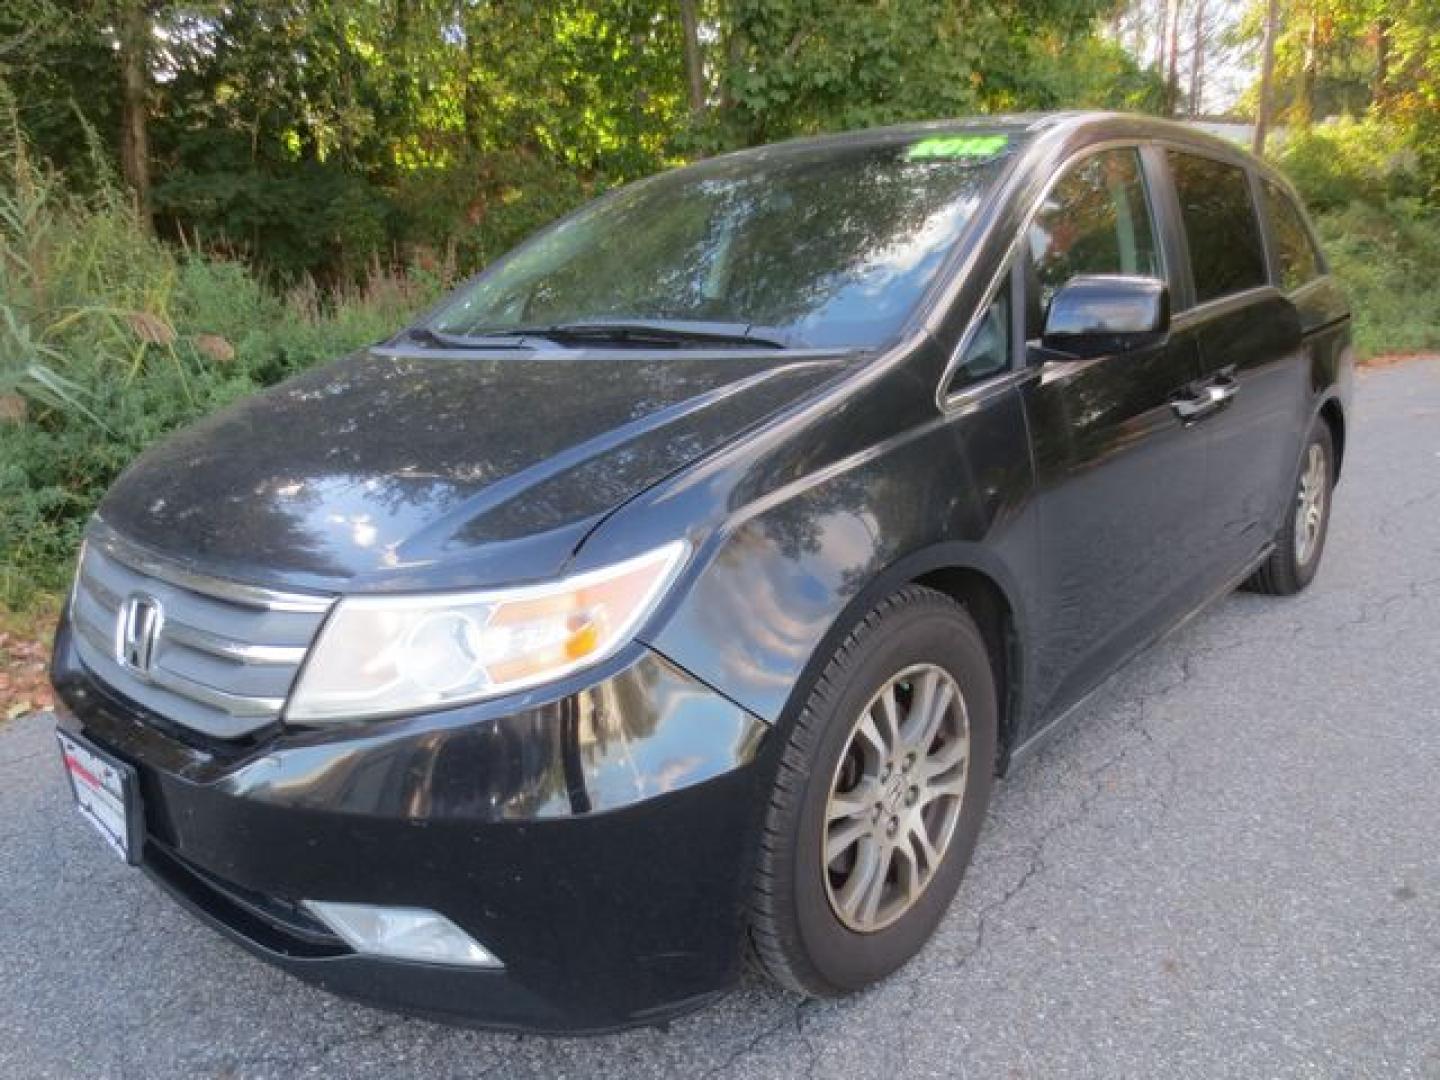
(674,591)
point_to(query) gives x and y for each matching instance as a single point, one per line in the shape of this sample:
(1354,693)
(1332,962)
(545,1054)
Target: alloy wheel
(1310,514)
(895,798)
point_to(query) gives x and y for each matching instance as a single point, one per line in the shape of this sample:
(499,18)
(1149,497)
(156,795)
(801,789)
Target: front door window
(1096,220)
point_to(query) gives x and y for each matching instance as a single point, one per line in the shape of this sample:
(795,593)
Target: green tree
(316,136)
(1361,58)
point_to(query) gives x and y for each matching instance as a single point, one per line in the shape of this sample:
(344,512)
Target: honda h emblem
(137,632)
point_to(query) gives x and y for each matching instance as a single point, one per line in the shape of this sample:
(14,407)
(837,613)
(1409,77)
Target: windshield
(830,245)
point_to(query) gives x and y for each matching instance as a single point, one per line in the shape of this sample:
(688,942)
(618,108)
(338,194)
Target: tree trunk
(1162,20)
(1309,74)
(1197,60)
(1172,77)
(694,64)
(1379,86)
(134,57)
(1267,74)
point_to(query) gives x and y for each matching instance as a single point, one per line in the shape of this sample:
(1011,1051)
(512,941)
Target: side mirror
(1101,314)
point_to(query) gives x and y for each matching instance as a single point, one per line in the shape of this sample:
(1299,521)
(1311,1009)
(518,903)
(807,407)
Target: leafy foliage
(109,339)
(1335,164)
(311,138)
(1386,254)
(1371,60)
(788,69)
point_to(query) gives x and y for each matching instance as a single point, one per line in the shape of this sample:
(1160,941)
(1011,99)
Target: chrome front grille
(211,655)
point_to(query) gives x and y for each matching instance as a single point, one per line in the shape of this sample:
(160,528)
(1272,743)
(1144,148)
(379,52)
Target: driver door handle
(1197,402)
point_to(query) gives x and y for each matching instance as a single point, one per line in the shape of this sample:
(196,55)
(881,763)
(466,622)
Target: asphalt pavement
(1229,865)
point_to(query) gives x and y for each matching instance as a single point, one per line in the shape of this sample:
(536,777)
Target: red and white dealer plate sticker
(102,791)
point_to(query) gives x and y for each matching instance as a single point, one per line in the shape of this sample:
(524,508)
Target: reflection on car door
(1250,351)
(1120,478)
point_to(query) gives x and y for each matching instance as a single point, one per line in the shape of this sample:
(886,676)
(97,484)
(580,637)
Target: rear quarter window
(1298,260)
(1227,254)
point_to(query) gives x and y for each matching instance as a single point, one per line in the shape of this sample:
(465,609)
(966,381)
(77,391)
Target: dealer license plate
(105,793)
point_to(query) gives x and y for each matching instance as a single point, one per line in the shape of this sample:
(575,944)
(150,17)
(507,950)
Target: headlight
(381,655)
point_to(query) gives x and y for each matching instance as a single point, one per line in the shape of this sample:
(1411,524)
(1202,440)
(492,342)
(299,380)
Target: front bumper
(598,841)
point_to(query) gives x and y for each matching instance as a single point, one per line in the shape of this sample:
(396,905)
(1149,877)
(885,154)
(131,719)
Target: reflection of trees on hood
(367,454)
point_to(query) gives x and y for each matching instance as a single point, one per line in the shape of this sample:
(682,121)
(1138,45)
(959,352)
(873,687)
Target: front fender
(787,576)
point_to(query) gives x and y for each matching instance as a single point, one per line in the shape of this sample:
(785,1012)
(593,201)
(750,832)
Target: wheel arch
(1333,413)
(973,577)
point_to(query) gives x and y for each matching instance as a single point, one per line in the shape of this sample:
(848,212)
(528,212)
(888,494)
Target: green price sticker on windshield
(963,147)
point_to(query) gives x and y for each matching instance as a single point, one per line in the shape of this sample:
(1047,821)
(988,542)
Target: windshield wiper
(642,332)
(491,340)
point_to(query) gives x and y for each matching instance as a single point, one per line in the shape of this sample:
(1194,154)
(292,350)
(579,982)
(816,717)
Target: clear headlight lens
(381,655)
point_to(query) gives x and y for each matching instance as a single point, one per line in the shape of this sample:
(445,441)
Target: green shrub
(110,339)
(305,218)
(1388,256)
(1366,186)
(1344,161)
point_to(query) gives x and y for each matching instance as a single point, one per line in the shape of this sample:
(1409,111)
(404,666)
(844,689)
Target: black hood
(392,470)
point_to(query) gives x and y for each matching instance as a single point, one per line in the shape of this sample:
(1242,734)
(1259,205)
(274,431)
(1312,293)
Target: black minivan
(673,592)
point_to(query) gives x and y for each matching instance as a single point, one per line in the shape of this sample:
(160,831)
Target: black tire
(1286,572)
(796,937)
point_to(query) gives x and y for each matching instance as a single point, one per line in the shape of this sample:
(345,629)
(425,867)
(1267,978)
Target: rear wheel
(879,797)
(1301,541)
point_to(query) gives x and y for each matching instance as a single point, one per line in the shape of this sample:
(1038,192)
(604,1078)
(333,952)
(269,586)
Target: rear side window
(1096,220)
(1294,250)
(1226,252)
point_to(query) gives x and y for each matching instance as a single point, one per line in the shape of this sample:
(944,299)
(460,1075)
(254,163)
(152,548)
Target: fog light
(402,933)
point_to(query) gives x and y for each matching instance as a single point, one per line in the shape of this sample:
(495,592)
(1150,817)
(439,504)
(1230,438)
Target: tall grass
(109,339)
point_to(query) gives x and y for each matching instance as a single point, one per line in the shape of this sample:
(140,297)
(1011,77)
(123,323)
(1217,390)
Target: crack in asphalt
(1186,663)
(1036,865)
(790,1017)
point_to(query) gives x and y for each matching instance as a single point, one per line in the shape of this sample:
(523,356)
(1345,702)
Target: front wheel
(878,800)
(1301,541)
